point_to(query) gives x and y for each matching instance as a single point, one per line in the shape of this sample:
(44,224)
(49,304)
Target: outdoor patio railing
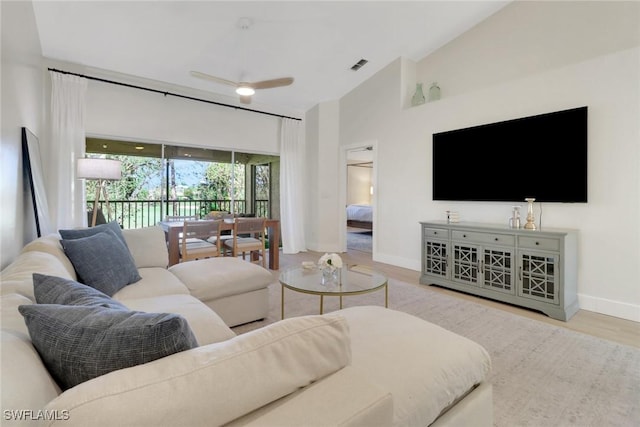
(144,213)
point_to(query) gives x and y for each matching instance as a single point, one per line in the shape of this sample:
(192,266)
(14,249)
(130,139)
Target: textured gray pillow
(56,290)
(78,343)
(78,233)
(102,261)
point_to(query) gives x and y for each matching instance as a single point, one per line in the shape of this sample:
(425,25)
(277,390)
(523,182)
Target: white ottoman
(233,288)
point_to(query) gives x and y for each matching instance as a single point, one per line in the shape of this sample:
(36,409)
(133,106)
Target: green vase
(418,97)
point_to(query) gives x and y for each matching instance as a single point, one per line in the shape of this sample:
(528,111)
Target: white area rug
(542,375)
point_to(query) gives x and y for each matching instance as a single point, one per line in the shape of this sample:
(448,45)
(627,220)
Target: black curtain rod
(171,94)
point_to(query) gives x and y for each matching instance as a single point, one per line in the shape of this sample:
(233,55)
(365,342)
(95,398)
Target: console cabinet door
(497,268)
(539,276)
(435,262)
(485,266)
(466,263)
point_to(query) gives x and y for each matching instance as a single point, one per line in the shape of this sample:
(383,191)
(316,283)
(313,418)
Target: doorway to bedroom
(360,190)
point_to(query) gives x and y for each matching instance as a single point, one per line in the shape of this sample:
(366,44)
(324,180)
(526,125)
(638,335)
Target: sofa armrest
(345,398)
(212,384)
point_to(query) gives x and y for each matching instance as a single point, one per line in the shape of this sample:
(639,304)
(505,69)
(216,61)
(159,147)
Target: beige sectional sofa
(361,366)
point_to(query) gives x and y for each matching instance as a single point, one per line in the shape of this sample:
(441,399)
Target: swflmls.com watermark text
(38,415)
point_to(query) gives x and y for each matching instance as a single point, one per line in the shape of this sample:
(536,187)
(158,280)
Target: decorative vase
(514,221)
(418,97)
(330,276)
(434,92)
(531,220)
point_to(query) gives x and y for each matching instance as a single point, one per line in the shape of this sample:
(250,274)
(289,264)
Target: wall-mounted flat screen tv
(542,156)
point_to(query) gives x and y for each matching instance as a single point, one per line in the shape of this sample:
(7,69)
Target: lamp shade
(99,169)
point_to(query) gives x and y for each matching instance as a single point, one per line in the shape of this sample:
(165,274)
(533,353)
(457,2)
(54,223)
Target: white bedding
(442,366)
(360,213)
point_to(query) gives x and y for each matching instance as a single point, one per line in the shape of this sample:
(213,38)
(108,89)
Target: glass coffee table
(355,280)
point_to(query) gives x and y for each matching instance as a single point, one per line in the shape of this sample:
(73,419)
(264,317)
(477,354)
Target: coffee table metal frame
(309,281)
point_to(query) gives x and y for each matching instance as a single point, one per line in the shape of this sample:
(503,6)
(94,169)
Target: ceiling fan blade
(213,78)
(267,84)
(245,99)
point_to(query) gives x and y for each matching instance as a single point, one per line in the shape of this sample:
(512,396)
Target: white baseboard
(323,248)
(609,307)
(397,261)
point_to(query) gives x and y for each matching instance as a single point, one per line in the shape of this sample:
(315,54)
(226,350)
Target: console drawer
(486,238)
(542,243)
(436,233)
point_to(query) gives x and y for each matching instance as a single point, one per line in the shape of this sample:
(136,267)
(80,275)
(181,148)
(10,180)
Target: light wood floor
(611,328)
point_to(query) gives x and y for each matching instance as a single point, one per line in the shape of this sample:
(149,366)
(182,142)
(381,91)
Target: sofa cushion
(155,282)
(435,371)
(206,324)
(10,317)
(51,244)
(148,246)
(345,398)
(102,261)
(78,233)
(56,290)
(214,278)
(217,383)
(25,382)
(242,308)
(18,276)
(78,343)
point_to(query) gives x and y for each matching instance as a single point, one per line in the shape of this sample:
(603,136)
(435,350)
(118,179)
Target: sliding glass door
(160,180)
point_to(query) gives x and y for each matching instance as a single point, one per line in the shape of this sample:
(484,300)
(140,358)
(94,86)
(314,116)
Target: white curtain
(292,187)
(66,193)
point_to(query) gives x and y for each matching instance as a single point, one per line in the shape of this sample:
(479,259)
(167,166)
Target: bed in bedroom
(360,216)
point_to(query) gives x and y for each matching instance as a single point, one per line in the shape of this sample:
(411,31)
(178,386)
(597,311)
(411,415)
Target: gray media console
(533,269)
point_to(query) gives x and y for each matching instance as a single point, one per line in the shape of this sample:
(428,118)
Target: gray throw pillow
(78,233)
(102,261)
(56,290)
(78,343)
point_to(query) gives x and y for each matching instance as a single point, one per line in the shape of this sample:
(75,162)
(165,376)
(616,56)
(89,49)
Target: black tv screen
(543,156)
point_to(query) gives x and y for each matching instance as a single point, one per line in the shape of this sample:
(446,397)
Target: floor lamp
(101,170)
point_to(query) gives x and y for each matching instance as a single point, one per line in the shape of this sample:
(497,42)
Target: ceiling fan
(243,88)
(246,89)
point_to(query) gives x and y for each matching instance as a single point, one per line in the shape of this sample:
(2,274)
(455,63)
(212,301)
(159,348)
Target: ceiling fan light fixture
(245,91)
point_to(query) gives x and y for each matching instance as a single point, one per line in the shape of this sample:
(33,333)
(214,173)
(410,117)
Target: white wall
(22,105)
(322,157)
(312,148)
(529,58)
(118,111)
(359,185)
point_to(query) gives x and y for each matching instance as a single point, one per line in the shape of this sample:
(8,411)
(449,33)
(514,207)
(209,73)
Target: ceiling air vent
(359,64)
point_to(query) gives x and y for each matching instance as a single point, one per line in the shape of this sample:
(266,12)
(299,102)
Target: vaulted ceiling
(315,42)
